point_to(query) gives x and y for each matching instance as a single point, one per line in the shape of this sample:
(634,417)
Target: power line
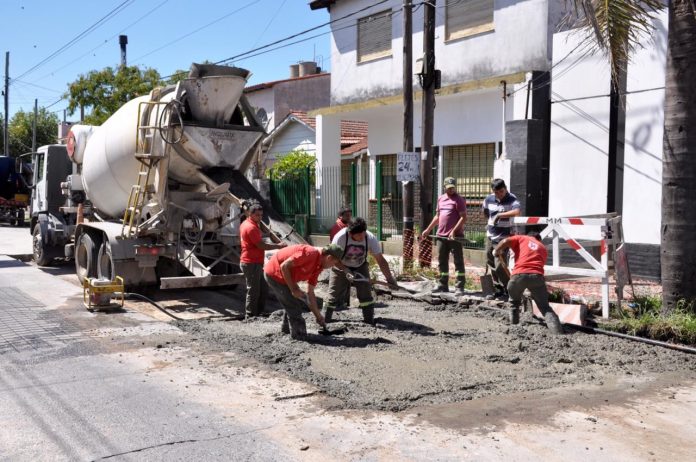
(21,82)
(306,31)
(105,41)
(81,35)
(197,30)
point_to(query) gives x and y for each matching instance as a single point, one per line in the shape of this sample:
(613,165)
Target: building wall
(301,95)
(523,22)
(580,136)
(294,136)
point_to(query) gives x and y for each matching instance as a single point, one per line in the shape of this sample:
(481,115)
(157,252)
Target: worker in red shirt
(528,273)
(251,260)
(345,215)
(288,267)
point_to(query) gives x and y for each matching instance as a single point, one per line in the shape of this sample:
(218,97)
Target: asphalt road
(123,385)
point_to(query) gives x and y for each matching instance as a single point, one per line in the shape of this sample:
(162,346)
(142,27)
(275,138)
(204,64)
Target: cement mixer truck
(153,194)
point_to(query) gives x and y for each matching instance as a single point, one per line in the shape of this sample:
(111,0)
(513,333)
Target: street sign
(407,166)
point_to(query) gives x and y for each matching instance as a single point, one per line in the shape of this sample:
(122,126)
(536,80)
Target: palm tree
(616,27)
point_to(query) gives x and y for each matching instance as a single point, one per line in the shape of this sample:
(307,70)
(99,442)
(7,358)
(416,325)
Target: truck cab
(48,221)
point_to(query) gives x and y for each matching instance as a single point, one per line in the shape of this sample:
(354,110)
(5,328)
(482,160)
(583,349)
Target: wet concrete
(420,355)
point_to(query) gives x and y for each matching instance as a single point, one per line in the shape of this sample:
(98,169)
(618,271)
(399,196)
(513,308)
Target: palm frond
(615,26)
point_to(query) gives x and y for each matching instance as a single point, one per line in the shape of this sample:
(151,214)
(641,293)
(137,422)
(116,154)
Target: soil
(418,354)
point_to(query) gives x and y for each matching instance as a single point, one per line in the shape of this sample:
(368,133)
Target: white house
(505,70)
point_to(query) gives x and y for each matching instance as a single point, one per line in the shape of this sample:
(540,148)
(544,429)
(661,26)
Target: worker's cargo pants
(536,285)
(495,265)
(256,289)
(293,322)
(444,248)
(339,287)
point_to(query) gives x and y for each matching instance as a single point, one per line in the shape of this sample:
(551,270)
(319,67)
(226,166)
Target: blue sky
(174,34)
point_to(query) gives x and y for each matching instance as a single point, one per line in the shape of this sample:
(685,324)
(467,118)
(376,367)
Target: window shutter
(375,36)
(463,15)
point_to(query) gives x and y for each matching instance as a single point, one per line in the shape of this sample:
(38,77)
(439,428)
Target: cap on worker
(333,250)
(450,182)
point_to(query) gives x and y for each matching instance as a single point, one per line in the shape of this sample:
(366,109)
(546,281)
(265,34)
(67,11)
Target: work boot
(553,323)
(328,315)
(369,315)
(285,327)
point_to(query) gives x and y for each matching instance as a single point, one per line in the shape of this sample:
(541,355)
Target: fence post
(378,175)
(354,189)
(308,204)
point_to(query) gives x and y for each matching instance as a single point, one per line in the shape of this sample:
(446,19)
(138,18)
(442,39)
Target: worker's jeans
(339,287)
(293,322)
(256,289)
(536,285)
(498,273)
(444,248)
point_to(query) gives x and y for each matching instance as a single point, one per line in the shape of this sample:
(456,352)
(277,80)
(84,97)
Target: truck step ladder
(149,153)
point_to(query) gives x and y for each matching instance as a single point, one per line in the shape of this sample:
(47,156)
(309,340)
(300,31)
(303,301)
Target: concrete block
(393,248)
(567,313)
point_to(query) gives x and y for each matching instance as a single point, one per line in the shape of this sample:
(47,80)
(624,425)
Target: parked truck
(153,194)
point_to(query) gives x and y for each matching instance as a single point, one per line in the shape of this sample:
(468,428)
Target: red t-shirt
(306,264)
(250,234)
(530,255)
(336,228)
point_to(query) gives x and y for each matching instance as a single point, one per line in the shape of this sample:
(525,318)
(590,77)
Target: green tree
(616,26)
(292,164)
(177,75)
(20,130)
(103,92)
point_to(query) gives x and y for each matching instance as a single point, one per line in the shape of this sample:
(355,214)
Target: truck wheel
(42,255)
(105,262)
(85,257)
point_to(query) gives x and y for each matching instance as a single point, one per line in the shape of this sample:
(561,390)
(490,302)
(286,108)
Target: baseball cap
(333,250)
(450,182)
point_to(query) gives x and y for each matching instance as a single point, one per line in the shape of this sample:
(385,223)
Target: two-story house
(506,67)
(485,49)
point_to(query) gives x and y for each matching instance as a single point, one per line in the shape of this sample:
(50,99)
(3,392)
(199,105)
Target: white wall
(579,132)
(294,136)
(644,129)
(580,135)
(519,43)
(264,99)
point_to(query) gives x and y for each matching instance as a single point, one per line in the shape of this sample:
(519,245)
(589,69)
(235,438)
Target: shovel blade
(487,286)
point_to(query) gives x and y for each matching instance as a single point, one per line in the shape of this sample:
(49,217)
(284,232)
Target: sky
(48,49)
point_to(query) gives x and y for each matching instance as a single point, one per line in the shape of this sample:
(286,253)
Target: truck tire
(85,257)
(105,262)
(42,255)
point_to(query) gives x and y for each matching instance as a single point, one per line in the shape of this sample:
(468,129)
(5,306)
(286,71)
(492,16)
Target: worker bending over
(528,273)
(356,242)
(286,269)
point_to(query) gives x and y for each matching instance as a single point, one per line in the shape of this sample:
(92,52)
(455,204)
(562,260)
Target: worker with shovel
(288,267)
(528,273)
(356,242)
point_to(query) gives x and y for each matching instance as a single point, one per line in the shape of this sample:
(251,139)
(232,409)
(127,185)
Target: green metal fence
(311,199)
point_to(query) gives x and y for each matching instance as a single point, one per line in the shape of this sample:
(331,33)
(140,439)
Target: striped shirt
(492,207)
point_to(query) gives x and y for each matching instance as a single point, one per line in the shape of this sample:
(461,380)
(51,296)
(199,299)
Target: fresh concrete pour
(418,354)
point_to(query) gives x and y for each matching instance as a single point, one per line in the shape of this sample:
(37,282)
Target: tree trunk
(678,246)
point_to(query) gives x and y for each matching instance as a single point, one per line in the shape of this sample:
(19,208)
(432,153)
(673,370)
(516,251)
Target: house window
(375,36)
(468,17)
(472,166)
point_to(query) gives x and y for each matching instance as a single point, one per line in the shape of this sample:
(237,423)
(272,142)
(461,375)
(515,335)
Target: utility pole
(407,198)
(33,125)
(123,41)
(6,94)
(428,82)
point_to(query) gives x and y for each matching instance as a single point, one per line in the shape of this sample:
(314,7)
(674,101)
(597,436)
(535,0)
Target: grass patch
(643,319)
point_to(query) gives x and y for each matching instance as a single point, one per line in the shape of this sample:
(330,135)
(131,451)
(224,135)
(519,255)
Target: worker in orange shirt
(252,260)
(286,269)
(345,215)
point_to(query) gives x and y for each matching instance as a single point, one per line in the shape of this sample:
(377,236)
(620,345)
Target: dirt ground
(421,355)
